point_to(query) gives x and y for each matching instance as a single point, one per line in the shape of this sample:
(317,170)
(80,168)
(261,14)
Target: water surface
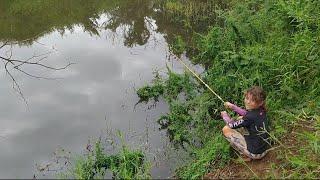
(116,46)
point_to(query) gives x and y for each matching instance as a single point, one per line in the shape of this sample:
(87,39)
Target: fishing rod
(197,76)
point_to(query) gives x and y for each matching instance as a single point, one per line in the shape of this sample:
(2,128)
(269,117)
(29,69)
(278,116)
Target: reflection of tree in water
(131,14)
(190,16)
(185,18)
(24,21)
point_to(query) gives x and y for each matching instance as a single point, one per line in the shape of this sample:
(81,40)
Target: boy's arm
(237,109)
(238,124)
(235,124)
(227,119)
(244,122)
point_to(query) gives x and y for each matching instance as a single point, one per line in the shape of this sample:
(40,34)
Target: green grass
(126,164)
(273,44)
(213,154)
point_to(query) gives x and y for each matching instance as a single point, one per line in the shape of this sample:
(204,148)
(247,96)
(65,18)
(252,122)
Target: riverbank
(273,44)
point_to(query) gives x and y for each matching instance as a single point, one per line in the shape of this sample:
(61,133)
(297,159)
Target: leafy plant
(273,44)
(126,164)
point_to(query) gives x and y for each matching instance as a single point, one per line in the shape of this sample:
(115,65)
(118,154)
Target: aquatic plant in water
(126,164)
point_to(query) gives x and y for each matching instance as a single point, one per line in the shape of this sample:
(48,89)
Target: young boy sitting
(254,120)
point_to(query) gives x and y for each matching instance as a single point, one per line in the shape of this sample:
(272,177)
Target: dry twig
(17,64)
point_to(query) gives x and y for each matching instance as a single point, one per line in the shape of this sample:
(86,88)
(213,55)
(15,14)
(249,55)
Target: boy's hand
(223,113)
(228,105)
(240,117)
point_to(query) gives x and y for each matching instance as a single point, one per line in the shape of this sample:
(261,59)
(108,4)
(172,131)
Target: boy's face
(248,102)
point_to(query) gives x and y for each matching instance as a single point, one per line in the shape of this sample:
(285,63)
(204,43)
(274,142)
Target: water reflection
(133,15)
(66,112)
(101,84)
(25,21)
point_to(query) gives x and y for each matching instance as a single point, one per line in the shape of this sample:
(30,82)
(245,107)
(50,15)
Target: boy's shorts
(238,142)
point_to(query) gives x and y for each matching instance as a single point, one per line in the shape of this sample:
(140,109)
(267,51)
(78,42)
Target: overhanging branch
(18,64)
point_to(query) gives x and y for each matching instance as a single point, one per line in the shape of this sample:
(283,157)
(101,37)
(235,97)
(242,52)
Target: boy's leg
(236,139)
(238,142)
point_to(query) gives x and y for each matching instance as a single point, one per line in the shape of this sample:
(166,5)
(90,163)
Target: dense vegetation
(97,164)
(273,44)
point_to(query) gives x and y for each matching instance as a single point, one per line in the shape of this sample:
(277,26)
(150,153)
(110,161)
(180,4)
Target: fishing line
(200,79)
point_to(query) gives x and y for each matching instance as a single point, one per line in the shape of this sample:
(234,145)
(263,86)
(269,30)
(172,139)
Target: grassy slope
(274,44)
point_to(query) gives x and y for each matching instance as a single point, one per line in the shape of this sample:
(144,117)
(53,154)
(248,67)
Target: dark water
(115,45)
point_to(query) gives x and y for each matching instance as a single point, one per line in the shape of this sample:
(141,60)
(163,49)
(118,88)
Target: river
(114,48)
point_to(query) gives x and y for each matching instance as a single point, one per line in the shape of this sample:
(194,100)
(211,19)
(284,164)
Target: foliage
(178,46)
(273,44)
(214,154)
(147,92)
(170,88)
(126,164)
